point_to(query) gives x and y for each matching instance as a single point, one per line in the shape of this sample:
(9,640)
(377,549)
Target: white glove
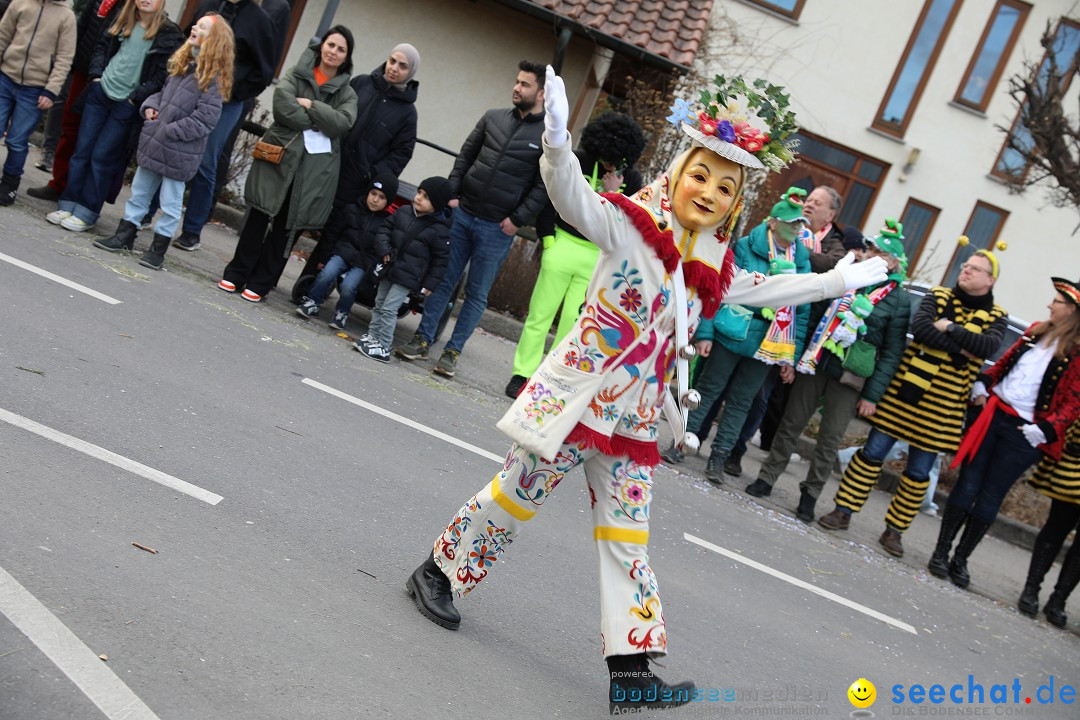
(861,274)
(556,110)
(1033,434)
(978,390)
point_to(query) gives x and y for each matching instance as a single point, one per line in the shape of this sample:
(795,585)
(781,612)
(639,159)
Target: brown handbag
(268,152)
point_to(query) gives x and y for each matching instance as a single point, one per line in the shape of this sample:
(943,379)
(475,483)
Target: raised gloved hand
(1033,434)
(556,110)
(862,274)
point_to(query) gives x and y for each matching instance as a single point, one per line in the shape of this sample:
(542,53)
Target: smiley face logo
(862,693)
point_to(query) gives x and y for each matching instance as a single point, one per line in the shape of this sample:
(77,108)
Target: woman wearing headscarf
(625,338)
(314,107)
(381,140)
(1030,397)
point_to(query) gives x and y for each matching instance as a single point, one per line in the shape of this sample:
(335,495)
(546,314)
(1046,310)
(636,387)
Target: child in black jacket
(354,253)
(415,247)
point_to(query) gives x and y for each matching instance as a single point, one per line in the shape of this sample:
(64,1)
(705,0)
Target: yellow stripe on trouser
(905,503)
(859,479)
(635,537)
(507,504)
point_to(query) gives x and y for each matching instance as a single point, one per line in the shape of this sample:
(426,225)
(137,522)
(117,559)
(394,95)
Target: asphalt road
(284,598)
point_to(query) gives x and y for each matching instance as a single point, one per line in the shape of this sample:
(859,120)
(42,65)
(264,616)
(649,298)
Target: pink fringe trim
(642,453)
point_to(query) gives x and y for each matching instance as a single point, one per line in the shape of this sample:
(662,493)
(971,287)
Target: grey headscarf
(412,55)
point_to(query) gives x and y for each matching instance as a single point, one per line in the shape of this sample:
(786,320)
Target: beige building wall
(837,61)
(469,52)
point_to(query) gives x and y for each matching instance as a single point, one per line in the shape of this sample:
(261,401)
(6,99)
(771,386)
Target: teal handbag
(733,321)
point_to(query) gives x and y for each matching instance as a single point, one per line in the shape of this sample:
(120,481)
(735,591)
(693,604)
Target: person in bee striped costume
(1060,481)
(955,330)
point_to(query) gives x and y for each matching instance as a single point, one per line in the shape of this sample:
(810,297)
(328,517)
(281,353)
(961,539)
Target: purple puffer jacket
(173,145)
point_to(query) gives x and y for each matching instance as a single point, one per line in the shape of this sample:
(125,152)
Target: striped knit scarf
(778,347)
(815,350)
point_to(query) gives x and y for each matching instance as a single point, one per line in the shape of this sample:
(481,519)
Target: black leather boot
(633,685)
(1042,558)
(122,239)
(1066,583)
(429,586)
(714,468)
(154,257)
(951,520)
(805,511)
(974,530)
(9,186)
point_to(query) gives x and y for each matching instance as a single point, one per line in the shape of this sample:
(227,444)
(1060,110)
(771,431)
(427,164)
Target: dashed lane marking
(403,420)
(56,278)
(801,583)
(81,664)
(110,457)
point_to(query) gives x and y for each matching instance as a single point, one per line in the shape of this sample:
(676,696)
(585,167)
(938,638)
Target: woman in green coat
(314,107)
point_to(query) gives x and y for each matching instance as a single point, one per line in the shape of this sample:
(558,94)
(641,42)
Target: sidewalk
(998,566)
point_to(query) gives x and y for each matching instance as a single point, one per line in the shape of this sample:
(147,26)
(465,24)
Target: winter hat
(438,192)
(789,209)
(412,55)
(387,183)
(853,238)
(890,239)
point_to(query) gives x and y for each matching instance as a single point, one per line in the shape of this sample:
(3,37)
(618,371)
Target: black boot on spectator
(513,388)
(759,488)
(9,185)
(1042,558)
(45,192)
(951,520)
(805,511)
(1066,583)
(154,257)
(974,530)
(429,586)
(714,468)
(187,241)
(633,685)
(122,239)
(733,466)
(672,456)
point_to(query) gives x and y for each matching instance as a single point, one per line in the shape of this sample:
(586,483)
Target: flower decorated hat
(790,207)
(747,124)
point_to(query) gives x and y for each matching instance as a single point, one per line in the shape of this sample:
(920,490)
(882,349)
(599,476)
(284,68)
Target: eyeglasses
(973,268)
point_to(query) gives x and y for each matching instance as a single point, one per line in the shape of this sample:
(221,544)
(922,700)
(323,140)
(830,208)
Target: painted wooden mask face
(707,187)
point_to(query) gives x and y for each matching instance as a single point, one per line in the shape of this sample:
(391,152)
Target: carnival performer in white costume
(625,344)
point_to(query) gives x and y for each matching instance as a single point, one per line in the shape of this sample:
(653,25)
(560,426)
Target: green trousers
(807,392)
(565,270)
(742,377)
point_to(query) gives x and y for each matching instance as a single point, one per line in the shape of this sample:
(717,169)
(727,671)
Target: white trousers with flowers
(631,616)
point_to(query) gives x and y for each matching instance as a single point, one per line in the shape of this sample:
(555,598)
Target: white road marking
(403,420)
(81,664)
(802,584)
(110,457)
(56,278)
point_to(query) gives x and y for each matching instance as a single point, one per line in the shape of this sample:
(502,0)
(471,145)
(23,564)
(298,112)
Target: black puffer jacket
(89,28)
(255,44)
(419,248)
(154,69)
(356,245)
(497,173)
(384,135)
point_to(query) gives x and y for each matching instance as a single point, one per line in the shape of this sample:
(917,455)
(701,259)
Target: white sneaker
(57,216)
(74,224)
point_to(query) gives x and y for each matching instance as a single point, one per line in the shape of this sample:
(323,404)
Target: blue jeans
(347,288)
(18,105)
(145,188)
(201,187)
(919,462)
(998,463)
(483,246)
(100,153)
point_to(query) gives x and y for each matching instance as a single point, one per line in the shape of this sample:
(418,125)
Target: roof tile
(671,29)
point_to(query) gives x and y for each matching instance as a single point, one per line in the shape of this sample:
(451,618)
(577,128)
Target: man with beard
(954,330)
(497,188)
